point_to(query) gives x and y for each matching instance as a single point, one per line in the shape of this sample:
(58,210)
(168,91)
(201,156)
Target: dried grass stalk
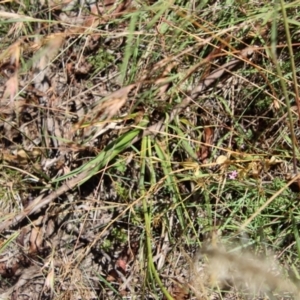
(239,270)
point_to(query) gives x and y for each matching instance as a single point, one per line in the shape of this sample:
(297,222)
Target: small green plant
(100,61)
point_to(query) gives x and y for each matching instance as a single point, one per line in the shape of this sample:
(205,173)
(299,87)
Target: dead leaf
(114,101)
(112,276)
(180,292)
(208,139)
(121,263)
(11,89)
(222,159)
(36,240)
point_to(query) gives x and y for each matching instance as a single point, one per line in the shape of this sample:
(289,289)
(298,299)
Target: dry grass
(131,131)
(216,269)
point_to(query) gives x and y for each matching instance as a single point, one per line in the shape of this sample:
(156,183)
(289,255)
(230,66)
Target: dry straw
(214,267)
